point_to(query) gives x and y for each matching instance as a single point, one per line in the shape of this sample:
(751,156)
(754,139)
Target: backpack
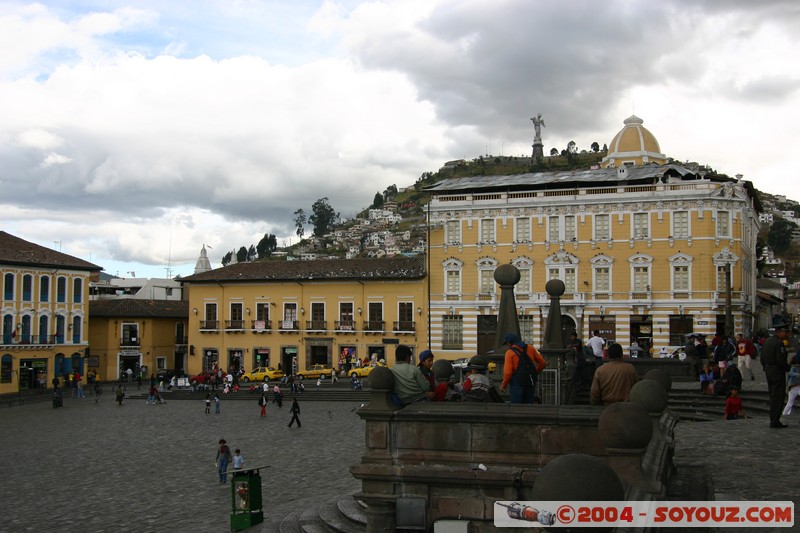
(525,374)
(587,353)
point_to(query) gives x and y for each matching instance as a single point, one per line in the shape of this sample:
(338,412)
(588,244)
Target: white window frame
(522,229)
(564,266)
(452,277)
(597,226)
(677,231)
(641,261)
(724,224)
(680,261)
(488,231)
(453,230)
(640,227)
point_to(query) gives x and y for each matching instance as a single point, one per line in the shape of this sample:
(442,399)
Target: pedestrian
(217,402)
(409,384)
(56,382)
(334,377)
(222,460)
(129,374)
(774,357)
(238,460)
(744,355)
(319,382)
(208,403)
(793,384)
(613,381)
(78,386)
(277,395)
(120,394)
(262,402)
(426,367)
(98,390)
(596,343)
(151,395)
(295,413)
(733,405)
(518,373)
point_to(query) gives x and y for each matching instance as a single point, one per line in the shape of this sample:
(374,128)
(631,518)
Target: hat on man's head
(785,326)
(512,338)
(426,354)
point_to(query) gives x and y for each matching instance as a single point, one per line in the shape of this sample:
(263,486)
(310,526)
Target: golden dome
(633,145)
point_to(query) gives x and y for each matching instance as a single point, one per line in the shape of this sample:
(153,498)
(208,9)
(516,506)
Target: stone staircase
(344,514)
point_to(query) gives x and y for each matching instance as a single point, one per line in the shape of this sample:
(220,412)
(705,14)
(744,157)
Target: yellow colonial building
(44,311)
(140,334)
(292,314)
(644,248)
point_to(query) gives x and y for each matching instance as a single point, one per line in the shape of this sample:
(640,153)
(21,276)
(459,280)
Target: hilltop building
(44,313)
(643,247)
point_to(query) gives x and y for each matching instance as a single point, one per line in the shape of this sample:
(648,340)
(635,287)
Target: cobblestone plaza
(138,468)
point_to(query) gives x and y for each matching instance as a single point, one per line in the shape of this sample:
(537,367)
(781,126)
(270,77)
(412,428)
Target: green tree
(780,235)
(267,245)
(572,148)
(300,222)
(554,151)
(323,217)
(252,255)
(595,147)
(241,255)
(377,202)
(226,259)
(390,191)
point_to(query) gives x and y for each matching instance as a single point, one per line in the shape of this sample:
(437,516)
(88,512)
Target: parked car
(363,371)
(165,374)
(463,362)
(315,371)
(262,373)
(203,378)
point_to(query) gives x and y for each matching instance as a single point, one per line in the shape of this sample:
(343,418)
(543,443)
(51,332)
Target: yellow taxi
(315,371)
(262,373)
(363,371)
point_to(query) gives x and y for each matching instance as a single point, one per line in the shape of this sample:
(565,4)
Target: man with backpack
(523,363)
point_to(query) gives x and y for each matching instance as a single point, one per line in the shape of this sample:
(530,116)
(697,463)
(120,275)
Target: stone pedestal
(538,151)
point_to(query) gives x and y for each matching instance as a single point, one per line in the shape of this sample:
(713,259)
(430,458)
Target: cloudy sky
(132,133)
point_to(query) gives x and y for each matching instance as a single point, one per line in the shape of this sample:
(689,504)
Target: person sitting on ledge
(409,384)
(613,381)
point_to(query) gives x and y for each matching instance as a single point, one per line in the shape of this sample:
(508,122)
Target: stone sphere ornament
(506,275)
(650,394)
(555,287)
(625,425)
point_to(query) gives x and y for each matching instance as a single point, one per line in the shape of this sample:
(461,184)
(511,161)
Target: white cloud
(214,122)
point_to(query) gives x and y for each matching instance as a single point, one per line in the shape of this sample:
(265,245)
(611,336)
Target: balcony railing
(345,325)
(234,324)
(209,324)
(290,325)
(404,326)
(317,325)
(262,325)
(374,326)
(129,342)
(32,340)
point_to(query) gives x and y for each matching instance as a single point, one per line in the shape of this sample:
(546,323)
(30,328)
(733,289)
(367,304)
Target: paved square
(138,468)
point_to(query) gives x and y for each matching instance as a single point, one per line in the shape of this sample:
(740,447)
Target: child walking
(208,403)
(295,413)
(238,460)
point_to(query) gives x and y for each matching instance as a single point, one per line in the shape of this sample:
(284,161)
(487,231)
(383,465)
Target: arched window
(681,270)
(486,268)
(8,329)
(5,369)
(61,289)
(77,290)
(76,329)
(8,286)
(452,278)
(44,289)
(27,288)
(641,272)
(43,329)
(564,266)
(525,267)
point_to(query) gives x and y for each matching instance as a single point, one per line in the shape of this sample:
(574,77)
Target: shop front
(289,359)
(33,373)
(261,357)
(210,359)
(129,359)
(642,334)
(605,325)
